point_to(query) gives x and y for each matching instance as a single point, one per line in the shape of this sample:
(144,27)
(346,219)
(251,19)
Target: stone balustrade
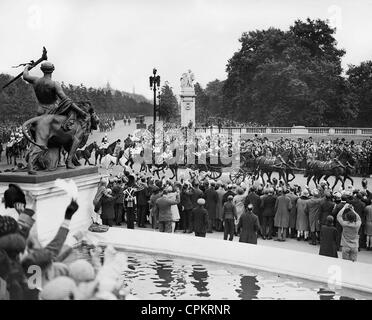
(295,130)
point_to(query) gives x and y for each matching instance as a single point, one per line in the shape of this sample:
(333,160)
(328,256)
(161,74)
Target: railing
(366,131)
(281,130)
(298,130)
(318,130)
(346,131)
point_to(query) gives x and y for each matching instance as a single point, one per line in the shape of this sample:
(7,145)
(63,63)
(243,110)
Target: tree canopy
(292,77)
(19,99)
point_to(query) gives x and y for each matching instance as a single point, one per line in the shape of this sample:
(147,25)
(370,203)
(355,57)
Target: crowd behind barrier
(223,122)
(336,221)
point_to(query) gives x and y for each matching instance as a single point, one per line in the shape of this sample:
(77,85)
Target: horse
(54,131)
(101,152)
(348,160)
(156,168)
(316,169)
(291,159)
(87,152)
(12,152)
(270,165)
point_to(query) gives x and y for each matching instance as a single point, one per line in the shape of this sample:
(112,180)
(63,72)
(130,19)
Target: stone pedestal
(187,106)
(51,201)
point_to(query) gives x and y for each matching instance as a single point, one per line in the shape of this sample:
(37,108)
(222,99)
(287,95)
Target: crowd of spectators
(31,271)
(225,123)
(9,126)
(336,221)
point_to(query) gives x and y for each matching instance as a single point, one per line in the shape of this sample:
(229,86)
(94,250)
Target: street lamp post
(154,85)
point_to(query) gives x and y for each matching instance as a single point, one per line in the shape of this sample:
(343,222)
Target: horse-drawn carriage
(210,166)
(252,165)
(287,164)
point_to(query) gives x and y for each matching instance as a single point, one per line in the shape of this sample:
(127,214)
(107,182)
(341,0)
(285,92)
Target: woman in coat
(97,201)
(238,202)
(172,194)
(283,208)
(108,210)
(302,220)
(186,204)
(219,212)
(156,194)
(313,210)
(293,214)
(328,239)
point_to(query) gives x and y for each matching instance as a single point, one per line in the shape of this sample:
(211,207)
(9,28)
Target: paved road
(121,131)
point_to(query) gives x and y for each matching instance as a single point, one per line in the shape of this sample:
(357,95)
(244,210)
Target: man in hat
(143,197)
(326,208)
(228,217)
(268,213)
(248,226)
(200,218)
(254,199)
(211,198)
(48,92)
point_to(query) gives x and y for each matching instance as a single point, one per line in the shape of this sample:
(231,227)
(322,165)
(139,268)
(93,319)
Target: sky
(120,41)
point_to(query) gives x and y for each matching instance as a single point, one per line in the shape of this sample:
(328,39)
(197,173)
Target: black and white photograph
(198,150)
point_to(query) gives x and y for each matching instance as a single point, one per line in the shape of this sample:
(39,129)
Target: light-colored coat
(283,208)
(163,208)
(219,214)
(302,221)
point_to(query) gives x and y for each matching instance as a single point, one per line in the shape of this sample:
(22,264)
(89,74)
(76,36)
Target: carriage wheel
(214,175)
(237,176)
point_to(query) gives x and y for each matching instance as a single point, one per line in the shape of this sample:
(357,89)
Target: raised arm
(26,75)
(339,215)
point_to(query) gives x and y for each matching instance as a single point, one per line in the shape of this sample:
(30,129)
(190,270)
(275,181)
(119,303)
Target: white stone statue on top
(187,80)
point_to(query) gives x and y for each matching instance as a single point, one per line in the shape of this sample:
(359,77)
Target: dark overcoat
(248,226)
(328,241)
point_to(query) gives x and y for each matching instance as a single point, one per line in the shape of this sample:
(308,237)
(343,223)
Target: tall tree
(289,77)
(360,85)
(168,105)
(201,104)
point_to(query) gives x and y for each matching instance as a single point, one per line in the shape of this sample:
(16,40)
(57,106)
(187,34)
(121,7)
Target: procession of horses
(251,164)
(254,159)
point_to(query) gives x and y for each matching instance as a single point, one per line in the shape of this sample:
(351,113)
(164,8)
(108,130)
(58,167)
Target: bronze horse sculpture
(51,132)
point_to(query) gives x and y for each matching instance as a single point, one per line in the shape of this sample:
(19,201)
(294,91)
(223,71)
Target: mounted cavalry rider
(104,142)
(12,140)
